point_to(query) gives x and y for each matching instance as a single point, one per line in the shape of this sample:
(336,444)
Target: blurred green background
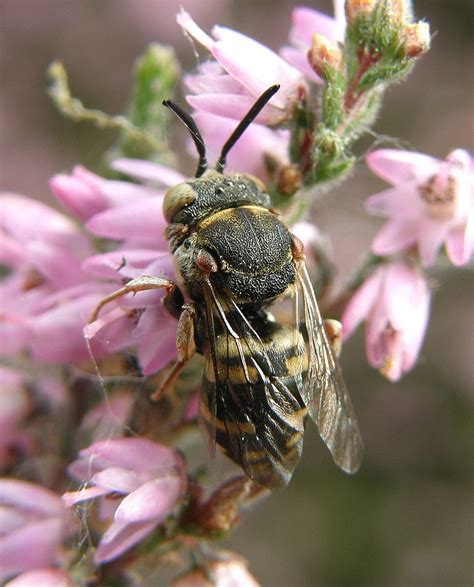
(407,517)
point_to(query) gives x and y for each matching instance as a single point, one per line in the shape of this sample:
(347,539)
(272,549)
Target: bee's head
(210,190)
(189,202)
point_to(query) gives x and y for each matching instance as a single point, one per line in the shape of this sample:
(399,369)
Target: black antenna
(244,124)
(194,131)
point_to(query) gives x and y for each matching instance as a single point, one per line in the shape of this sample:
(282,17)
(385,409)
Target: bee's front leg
(172,301)
(185,346)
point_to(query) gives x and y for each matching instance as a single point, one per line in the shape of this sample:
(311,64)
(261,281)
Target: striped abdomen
(250,401)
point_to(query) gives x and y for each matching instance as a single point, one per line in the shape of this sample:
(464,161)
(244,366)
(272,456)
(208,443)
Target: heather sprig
(123,462)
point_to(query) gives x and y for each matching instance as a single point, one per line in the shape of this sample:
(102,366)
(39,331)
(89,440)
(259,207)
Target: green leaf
(330,160)
(156,74)
(332,106)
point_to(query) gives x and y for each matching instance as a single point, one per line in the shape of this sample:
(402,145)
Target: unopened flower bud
(356,8)
(289,180)
(417,38)
(399,11)
(323,55)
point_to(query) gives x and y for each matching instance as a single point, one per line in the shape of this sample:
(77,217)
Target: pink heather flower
(46,293)
(42,578)
(225,573)
(243,70)
(138,483)
(15,405)
(56,281)
(305,23)
(394,302)
(33,524)
(138,225)
(431,203)
(251,151)
(84,193)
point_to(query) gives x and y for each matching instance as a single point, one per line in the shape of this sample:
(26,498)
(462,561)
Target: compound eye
(177,198)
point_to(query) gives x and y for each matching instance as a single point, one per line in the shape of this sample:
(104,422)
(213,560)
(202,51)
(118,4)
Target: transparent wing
(250,403)
(322,386)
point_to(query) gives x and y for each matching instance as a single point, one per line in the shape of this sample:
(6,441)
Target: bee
(234,259)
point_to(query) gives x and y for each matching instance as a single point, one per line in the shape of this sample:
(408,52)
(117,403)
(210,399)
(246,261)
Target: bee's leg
(185,347)
(333,330)
(173,297)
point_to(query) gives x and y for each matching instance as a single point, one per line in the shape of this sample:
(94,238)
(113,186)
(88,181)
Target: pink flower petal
(70,498)
(185,21)
(137,454)
(299,59)
(392,354)
(361,302)
(400,201)
(255,66)
(14,335)
(42,539)
(397,166)
(77,196)
(401,293)
(248,155)
(109,192)
(62,328)
(306,22)
(42,578)
(121,193)
(460,243)
(107,264)
(142,221)
(154,352)
(29,496)
(153,501)
(57,265)
(146,170)
(119,538)
(394,236)
(375,329)
(202,83)
(233,106)
(462,158)
(110,333)
(41,223)
(117,479)
(12,253)
(430,238)
(415,332)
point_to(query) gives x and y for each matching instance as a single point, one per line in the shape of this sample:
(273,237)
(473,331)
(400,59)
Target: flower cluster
(431,203)
(149,476)
(34,525)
